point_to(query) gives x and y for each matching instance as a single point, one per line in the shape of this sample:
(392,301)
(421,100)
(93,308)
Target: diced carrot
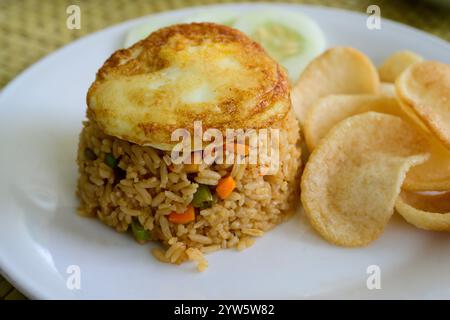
(182,218)
(225,187)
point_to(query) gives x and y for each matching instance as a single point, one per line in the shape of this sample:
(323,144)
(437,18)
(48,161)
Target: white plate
(41,236)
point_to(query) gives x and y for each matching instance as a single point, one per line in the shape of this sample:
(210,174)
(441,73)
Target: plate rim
(33,290)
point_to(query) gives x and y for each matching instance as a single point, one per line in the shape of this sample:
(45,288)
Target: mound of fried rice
(147,187)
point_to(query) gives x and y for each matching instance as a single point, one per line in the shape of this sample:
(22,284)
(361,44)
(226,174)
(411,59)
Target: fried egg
(184,73)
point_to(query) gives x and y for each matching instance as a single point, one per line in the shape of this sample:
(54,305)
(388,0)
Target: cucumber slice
(291,38)
(143,30)
(220,16)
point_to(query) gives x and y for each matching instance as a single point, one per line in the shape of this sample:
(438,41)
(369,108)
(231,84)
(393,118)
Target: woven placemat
(30,29)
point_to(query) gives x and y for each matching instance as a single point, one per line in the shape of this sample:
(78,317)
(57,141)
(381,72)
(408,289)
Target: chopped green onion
(139,232)
(90,154)
(203,197)
(110,160)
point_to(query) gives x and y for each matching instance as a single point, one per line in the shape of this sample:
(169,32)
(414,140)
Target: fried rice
(145,187)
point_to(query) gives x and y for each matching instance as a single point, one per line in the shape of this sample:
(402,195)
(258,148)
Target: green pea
(110,160)
(203,197)
(139,232)
(90,154)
